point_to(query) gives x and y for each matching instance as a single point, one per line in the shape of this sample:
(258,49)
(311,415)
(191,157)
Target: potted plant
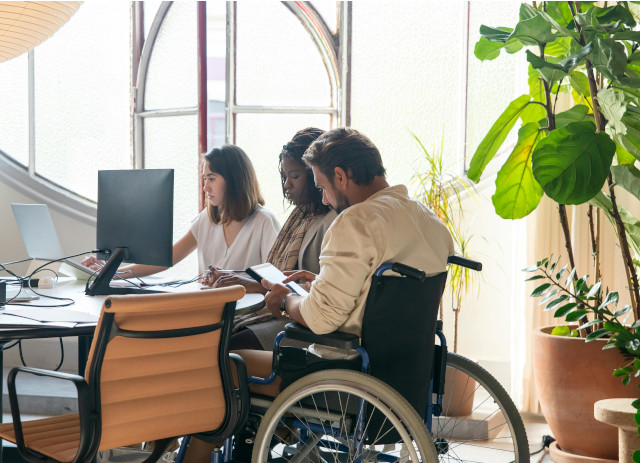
(442,191)
(581,155)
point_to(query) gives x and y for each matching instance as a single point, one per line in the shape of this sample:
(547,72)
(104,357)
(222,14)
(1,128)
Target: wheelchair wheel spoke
(349,418)
(480,423)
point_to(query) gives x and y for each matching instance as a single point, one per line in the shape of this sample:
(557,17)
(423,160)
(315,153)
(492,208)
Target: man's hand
(273,298)
(304,276)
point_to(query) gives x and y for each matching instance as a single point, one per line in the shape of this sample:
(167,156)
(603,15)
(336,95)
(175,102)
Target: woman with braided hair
(296,247)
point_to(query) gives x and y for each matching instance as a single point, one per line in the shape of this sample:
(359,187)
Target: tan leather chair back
(156,388)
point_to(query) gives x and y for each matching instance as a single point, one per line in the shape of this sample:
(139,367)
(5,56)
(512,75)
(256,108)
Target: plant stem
(594,245)
(562,211)
(634,290)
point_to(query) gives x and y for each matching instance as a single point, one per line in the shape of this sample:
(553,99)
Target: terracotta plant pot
(570,376)
(459,392)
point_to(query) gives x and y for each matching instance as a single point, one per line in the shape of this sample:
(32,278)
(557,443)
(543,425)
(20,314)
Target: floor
(39,398)
(536,429)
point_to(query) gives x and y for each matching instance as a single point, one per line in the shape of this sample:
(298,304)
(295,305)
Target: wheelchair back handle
(418,274)
(464,262)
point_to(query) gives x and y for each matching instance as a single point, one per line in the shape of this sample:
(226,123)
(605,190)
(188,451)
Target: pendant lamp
(23,25)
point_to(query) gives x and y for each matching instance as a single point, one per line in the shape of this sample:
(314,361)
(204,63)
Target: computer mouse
(46,282)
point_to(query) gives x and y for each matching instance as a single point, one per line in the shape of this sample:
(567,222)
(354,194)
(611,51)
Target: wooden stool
(620,413)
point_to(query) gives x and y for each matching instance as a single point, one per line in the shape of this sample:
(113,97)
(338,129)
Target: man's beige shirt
(387,227)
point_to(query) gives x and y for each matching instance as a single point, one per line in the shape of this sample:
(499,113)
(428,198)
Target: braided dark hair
(312,197)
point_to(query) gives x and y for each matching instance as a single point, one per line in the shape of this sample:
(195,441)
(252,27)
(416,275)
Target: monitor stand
(101,286)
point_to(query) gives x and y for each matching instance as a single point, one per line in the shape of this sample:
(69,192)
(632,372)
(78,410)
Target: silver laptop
(39,235)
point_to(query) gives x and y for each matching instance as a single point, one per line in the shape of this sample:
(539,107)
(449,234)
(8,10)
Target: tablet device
(271,273)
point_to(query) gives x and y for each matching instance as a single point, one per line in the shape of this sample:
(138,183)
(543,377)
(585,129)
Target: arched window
(68,105)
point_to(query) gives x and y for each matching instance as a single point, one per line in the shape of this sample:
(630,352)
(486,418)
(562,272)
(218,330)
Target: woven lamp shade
(23,25)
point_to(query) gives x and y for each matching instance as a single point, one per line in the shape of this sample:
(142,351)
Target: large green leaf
(550,72)
(628,177)
(486,50)
(535,30)
(573,162)
(613,106)
(494,34)
(631,224)
(496,136)
(623,156)
(577,113)
(517,192)
(554,72)
(535,112)
(634,36)
(631,139)
(560,47)
(581,91)
(560,13)
(615,13)
(609,58)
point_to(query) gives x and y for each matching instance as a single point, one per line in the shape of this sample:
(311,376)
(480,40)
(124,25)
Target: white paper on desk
(11,321)
(52,314)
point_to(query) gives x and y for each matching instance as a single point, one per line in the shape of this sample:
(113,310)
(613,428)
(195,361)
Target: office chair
(158,369)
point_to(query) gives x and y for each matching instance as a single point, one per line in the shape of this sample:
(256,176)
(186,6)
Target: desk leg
(84,345)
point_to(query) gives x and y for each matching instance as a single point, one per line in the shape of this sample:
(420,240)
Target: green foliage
(442,192)
(570,164)
(593,54)
(573,162)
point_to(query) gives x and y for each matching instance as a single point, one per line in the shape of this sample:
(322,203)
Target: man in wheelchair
(377,224)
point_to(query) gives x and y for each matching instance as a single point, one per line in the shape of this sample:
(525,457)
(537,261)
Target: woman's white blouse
(251,246)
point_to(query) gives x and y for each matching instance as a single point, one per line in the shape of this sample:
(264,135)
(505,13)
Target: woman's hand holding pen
(211,277)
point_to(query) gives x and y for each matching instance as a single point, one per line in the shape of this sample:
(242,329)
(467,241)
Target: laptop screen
(37,230)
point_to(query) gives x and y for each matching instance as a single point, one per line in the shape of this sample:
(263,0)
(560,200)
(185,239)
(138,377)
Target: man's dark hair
(294,150)
(348,149)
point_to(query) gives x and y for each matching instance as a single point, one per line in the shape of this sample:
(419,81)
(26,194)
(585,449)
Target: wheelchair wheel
(481,424)
(317,419)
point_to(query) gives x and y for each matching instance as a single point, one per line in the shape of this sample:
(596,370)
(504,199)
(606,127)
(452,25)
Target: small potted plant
(442,191)
(585,154)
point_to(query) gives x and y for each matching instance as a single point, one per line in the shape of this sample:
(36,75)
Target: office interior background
(120,86)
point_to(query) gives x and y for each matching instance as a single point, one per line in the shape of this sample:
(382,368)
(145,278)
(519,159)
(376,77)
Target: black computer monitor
(135,223)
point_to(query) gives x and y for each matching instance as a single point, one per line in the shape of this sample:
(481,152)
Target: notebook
(40,237)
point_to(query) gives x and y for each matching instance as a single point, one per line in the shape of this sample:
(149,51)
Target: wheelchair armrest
(338,339)
(85,405)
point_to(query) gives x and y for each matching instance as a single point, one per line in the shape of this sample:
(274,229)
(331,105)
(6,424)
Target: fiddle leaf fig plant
(590,53)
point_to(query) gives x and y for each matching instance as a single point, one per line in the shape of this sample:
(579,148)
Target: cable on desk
(67,301)
(15,262)
(61,354)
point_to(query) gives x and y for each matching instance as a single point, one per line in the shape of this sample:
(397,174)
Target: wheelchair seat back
(398,332)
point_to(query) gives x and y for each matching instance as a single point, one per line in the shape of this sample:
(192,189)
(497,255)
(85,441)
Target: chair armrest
(84,401)
(338,339)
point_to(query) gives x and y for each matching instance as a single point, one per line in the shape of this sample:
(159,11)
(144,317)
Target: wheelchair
(381,406)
